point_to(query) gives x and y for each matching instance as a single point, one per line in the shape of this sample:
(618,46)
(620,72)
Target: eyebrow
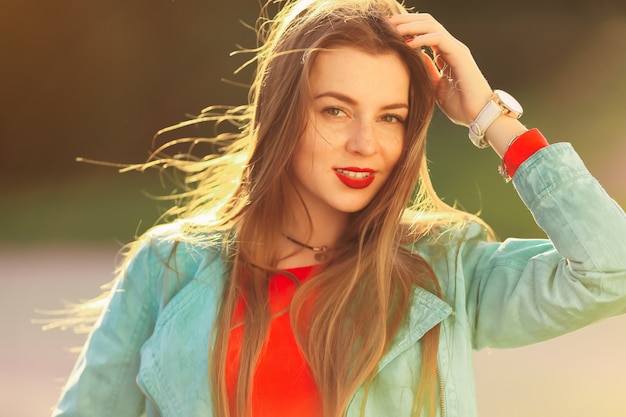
(353,102)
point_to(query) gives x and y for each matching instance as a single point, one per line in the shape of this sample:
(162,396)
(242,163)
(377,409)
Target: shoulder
(185,238)
(451,237)
(172,254)
(183,241)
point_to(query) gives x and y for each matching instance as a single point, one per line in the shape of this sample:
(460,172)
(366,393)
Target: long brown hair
(362,294)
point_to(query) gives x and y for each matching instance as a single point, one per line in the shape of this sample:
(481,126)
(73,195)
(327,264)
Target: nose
(362,139)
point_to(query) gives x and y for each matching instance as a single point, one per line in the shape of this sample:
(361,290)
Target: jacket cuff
(547,169)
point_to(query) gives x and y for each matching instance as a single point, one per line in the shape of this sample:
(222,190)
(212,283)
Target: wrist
(502,131)
(500,103)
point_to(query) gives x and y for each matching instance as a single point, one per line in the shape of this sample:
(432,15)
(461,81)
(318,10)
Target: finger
(416,23)
(436,63)
(397,19)
(421,28)
(434,41)
(430,36)
(447,51)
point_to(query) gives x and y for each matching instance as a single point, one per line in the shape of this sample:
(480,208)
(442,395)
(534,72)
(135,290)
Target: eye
(334,111)
(392,118)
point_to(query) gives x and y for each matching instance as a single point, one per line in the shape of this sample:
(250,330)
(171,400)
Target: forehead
(382,76)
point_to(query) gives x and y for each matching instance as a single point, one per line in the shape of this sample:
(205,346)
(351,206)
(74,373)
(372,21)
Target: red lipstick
(356,178)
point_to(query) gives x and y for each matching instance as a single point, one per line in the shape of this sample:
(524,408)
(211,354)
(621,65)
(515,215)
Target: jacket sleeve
(102,382)
(525,291)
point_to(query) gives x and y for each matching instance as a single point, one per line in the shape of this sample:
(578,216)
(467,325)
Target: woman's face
(355,130)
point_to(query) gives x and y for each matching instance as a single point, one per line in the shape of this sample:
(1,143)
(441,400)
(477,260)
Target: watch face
(509,102)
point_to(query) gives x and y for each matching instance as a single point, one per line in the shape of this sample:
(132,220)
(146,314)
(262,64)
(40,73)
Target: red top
(283,384)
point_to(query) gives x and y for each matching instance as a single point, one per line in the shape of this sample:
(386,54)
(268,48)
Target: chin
(353,208)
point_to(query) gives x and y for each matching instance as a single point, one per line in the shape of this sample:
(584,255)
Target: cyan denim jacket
(148,353)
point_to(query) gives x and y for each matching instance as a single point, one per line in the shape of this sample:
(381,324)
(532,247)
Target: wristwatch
(500,103)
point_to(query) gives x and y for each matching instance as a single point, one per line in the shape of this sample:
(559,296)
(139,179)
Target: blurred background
(97,79)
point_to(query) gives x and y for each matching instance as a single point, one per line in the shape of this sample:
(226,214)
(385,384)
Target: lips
(356,178)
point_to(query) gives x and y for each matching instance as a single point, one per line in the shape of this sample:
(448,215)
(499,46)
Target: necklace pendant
(320,251)
(320,254)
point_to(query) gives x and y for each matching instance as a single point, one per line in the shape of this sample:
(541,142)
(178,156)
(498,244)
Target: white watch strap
(485,118)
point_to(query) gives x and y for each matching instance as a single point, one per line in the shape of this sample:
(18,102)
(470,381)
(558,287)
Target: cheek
(317,142)
(326,136)
(392,151)
(304,156)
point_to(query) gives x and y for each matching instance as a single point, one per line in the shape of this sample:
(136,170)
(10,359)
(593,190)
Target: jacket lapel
(426,311)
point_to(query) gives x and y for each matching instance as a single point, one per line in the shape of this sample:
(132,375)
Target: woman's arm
(522,291)
(525,291)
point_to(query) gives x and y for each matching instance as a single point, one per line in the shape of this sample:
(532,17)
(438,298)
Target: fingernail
(409,40)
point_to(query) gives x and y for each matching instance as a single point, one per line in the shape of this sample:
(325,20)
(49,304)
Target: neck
(320,230)
(320,253)
(323,229)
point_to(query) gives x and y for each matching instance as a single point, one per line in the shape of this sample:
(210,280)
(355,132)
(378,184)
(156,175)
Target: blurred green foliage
(113,208)
(97,79)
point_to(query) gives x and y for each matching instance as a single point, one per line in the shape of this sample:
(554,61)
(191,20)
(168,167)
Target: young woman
(296,282)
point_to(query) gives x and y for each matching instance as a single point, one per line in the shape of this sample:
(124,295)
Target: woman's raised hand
(462,90)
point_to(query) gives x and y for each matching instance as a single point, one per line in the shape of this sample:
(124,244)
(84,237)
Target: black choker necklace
(320,251)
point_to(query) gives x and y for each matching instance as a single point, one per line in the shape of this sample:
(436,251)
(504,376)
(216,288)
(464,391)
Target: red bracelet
(520,149)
